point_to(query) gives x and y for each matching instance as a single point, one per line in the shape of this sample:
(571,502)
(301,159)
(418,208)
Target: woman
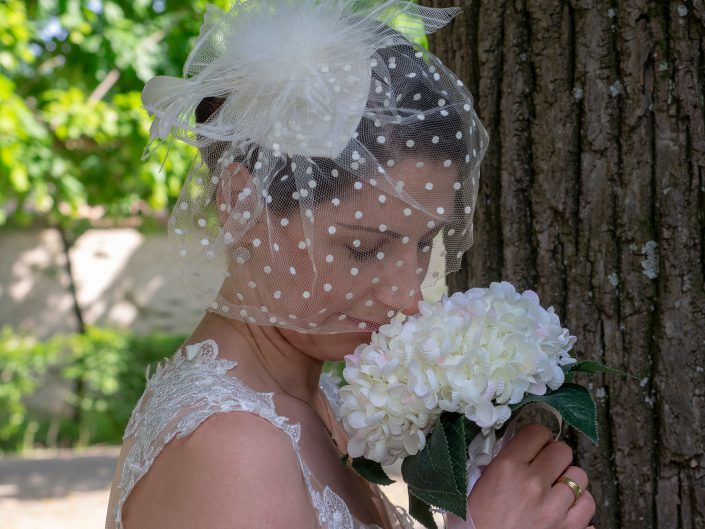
(338,175)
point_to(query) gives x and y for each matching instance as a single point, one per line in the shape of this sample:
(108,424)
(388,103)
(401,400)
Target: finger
(553,460)
(563,494)
(527,443)
(583,511)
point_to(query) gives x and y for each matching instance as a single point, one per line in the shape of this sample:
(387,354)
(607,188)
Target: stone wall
(123,279)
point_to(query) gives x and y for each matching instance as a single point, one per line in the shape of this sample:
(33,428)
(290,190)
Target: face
(363,258)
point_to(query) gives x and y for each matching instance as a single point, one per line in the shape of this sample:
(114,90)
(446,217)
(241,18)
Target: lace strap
(187,389)
(184,391)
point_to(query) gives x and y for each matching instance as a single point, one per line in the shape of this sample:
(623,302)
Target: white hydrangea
(475,353)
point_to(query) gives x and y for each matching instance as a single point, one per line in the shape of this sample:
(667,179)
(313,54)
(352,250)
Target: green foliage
(335,369)
(110,365)
(106,370)
(421,511)
(575,405)
(72,130)
(437,475)
(589,366)
(372,471)
(454,427)
(22,363)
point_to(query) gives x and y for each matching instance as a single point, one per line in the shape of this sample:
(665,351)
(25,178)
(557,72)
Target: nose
(399,286)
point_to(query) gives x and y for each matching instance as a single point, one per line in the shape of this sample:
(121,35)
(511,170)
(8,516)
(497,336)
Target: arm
(236,470)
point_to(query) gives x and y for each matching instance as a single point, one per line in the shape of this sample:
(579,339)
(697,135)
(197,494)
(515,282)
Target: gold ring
(574,486)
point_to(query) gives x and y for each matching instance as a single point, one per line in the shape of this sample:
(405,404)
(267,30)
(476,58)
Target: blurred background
(84,293)
(592,194)
(86,303)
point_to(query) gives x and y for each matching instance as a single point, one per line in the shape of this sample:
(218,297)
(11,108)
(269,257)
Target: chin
(339,345)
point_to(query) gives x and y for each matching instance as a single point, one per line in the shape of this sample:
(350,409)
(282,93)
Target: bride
(337,175)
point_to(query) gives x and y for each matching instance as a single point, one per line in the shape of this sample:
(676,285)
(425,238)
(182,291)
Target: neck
(287,357)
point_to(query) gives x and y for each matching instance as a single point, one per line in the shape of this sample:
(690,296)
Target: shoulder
(235,470)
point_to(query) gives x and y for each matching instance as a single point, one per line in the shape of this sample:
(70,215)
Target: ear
(234,179)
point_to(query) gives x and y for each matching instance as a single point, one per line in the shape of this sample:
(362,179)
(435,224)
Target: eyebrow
(388,233)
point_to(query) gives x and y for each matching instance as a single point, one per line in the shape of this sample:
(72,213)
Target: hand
(518,489)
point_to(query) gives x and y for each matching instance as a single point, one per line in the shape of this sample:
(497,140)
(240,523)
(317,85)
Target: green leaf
(430,475)
(421,511)
(590,366)
(454,428)
(575,405)
(370,470)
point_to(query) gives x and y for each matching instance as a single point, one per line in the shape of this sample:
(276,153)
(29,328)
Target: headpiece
(338,164)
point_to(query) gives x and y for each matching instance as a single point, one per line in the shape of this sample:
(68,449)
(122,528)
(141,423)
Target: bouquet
(437,388)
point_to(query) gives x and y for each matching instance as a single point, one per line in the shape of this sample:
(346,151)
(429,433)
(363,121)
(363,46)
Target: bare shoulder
(236,470)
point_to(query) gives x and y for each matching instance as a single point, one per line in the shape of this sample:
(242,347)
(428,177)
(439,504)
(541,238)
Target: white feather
(295,73)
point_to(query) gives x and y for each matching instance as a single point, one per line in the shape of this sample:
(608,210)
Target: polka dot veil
(338,165)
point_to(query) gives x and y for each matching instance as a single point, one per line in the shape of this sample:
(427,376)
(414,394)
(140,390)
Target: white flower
(386,416)
(474,353)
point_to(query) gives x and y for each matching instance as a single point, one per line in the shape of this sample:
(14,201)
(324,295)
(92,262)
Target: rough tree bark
(593,194)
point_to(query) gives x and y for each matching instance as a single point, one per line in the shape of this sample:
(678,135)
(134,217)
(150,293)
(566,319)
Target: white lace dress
(187,389)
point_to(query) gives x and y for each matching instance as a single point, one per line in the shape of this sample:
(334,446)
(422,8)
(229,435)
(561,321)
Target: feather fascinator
(295,74)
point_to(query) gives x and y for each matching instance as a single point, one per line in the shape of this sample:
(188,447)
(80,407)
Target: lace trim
(192,386)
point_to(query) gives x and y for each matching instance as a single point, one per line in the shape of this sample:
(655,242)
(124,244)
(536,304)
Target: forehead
(409,191)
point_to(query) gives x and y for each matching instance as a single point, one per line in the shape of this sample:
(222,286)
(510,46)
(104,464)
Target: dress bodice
(184,391)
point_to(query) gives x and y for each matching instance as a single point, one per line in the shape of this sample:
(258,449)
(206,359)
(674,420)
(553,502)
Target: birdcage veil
(334,154)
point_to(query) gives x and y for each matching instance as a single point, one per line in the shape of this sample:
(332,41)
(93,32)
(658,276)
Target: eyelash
(365,255)
(362,255)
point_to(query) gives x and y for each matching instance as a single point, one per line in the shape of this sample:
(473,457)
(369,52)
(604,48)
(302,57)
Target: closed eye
(362,254)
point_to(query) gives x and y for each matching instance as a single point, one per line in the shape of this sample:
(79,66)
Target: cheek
(298,277)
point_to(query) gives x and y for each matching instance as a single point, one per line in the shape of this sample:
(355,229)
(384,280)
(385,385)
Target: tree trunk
(593,194)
